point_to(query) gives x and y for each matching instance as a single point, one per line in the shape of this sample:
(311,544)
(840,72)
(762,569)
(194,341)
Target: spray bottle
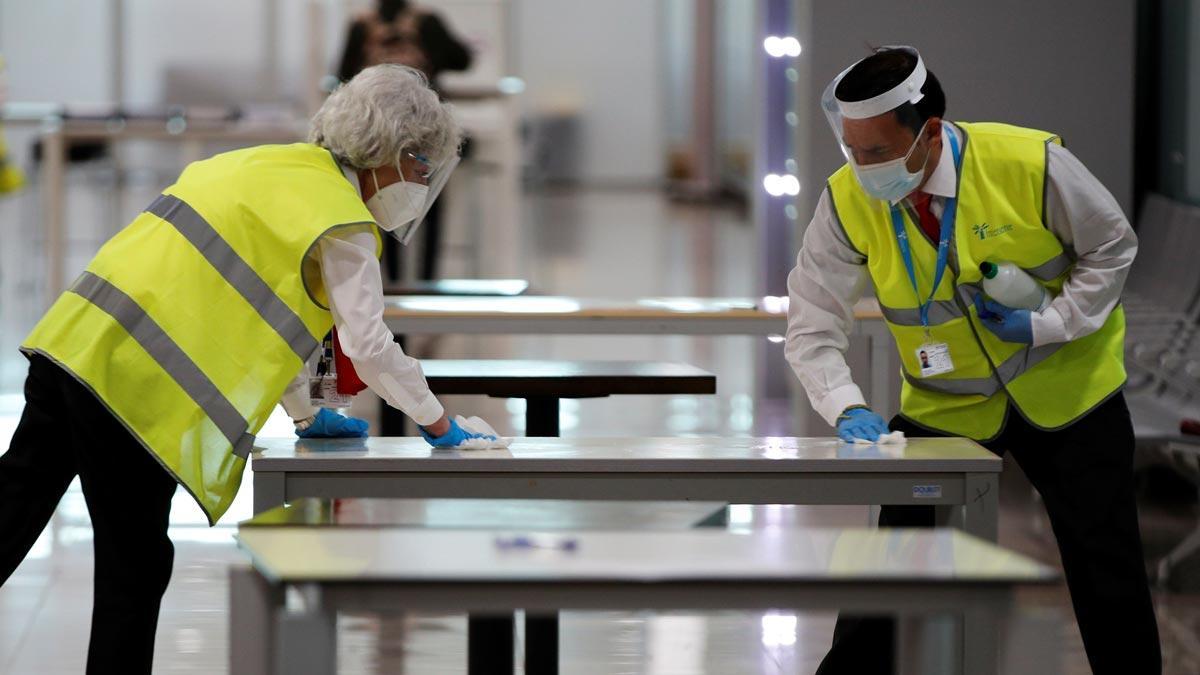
(1010,285)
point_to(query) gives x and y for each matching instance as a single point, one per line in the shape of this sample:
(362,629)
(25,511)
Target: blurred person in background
(399,32)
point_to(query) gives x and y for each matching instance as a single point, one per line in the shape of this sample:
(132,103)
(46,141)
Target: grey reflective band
(170,357)
(1012,368)
(1017,364)
(941,311)
(1052,268)
(236,272)
(980,386)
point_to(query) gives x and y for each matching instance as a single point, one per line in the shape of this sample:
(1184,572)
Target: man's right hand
(860,423)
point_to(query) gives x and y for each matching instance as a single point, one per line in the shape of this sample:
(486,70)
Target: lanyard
(943,254)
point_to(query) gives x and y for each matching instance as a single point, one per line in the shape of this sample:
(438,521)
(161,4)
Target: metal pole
(704,116)
(270,53)
(775,214)
(117,52)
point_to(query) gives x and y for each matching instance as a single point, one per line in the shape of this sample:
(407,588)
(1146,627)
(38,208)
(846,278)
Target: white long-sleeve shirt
(830,276)
(354,285)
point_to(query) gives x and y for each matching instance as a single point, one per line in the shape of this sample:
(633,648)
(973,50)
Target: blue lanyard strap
(943,255)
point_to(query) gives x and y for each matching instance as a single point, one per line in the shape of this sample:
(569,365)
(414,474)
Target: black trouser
(65,431)
(1084,474)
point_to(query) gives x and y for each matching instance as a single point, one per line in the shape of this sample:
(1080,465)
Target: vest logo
(927,492)
(986,231)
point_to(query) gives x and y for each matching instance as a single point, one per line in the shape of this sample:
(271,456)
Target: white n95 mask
(891,180)
(397,207)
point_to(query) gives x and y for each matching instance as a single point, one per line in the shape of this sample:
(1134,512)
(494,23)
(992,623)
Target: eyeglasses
(421,165)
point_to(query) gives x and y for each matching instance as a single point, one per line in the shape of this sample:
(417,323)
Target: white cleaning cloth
(894,438)
(475,425)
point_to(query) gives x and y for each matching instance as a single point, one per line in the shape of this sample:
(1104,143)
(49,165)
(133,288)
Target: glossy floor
(569,248)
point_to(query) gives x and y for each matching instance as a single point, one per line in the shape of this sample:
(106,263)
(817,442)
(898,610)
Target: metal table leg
(490,644)
(541,630)
(269,490)
(980,515)
(307,643)
(541,416)
(541,644)
(253,604)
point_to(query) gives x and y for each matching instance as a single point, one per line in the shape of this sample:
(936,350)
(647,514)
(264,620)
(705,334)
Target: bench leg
(925,645)
(541,644)
(490,644)
(541,416)
(253,603)
(980,516)
(307,642)
(269,490)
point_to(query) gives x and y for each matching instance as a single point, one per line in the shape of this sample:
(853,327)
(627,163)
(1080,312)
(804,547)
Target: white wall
(59,50)
(1065,66)
(602,59)
(56,50)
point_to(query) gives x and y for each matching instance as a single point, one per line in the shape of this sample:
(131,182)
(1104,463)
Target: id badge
(322,380)
(323,393)
(933,358)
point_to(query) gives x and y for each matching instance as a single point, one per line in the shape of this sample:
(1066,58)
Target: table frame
(969,500)
(303,639)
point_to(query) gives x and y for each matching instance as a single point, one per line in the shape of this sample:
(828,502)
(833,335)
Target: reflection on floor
(569,248)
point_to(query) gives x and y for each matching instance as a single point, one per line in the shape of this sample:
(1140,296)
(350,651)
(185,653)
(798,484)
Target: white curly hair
(382,113)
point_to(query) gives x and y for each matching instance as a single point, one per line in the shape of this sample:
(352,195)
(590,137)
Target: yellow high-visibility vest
(190,322)
(1000,201)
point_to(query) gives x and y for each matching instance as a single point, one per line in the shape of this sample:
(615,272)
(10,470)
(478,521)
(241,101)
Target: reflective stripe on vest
(1052,268)
(942,311)
(236,272)
(1006,372)
(169,357)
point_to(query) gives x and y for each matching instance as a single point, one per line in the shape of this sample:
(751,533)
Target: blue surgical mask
(891,180)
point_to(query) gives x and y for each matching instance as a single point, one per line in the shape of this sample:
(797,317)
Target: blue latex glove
(1010,325)
(452,438)
(329,424)
(860,423)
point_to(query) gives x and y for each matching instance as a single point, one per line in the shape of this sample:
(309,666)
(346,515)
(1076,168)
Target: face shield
(400,208)
(888,177)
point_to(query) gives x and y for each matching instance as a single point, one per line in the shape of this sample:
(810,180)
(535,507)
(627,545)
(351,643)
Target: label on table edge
(927,492)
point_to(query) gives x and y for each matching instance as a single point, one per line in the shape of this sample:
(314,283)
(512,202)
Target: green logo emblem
(986,231)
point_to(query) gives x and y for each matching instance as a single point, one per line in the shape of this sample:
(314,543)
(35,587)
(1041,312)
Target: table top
(345,554)
(626,455)
(561,315)
(460,287)
(265,131)
(563,306)
(565,379)
(489,514)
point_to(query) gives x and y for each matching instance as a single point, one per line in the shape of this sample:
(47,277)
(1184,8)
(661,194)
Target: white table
(956,476)
(490,637)
(562,315)
(917,575)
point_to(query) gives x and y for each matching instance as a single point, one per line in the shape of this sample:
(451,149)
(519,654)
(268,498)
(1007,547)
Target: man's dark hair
(885,69)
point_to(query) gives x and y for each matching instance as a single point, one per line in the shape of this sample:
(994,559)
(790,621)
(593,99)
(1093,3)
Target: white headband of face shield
(908,91)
